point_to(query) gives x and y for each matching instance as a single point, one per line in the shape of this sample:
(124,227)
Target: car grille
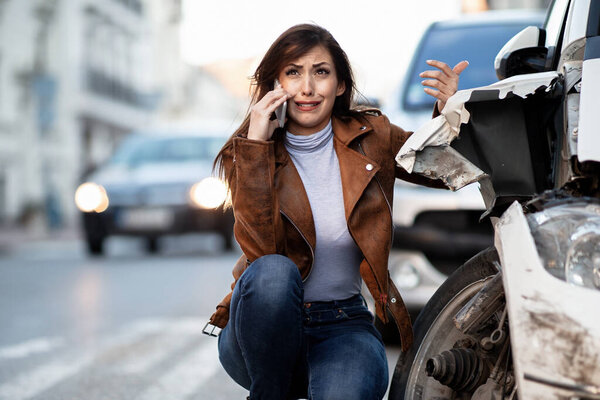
(151,195)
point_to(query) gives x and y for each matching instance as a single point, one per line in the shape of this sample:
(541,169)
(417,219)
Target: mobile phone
(281,111)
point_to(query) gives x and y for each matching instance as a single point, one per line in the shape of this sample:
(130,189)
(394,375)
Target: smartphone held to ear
(281,111)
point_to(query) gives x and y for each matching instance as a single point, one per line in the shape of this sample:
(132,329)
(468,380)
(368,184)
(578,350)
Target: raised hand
(444,80)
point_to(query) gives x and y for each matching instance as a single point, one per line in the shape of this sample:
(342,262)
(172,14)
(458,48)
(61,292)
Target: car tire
(152,245)
(95,245)
(389,332)
(227,241)
(475,270)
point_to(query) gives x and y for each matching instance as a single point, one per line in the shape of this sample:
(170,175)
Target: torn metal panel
(497,141)
(576,27)
(573,75)
(442,130)
(555,335)
(522,85)
(487,192)
(573,52)
(439,131)
(448,165)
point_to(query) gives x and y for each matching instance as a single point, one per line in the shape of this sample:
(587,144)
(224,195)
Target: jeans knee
(273,276)
(365,389)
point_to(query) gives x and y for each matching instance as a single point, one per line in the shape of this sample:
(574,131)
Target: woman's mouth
(307,105)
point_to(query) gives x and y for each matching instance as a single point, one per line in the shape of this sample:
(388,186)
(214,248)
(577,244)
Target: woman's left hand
(445,81)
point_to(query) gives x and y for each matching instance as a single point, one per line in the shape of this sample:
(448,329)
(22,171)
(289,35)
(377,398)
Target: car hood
(184,173)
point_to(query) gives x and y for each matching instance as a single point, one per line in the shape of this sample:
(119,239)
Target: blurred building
(75,77)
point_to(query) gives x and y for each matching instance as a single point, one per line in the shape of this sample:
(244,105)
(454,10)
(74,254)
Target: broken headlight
(568,241)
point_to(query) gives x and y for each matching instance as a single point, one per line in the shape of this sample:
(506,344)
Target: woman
(312,205)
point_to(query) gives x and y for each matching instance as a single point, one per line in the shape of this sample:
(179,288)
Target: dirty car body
(532,141)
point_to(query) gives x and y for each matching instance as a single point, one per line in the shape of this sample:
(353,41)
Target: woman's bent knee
(271,282)
(272,272)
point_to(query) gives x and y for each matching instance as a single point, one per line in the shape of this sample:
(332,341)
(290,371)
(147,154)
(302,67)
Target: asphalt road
(125,326)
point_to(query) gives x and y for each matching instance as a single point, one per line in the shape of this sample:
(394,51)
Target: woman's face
(313,83)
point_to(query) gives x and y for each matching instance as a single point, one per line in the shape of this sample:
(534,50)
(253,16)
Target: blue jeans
(279,347)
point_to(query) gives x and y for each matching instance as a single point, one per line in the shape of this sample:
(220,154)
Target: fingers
(437,94)
(273,106)
(444,70)
(273,96)
(460,67)
(433,74)
(437,85)
(441,78)
(445,80)
(261,126)
(270,102)
(273,125)
(442,66)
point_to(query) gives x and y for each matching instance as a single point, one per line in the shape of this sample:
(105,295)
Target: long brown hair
(289,46)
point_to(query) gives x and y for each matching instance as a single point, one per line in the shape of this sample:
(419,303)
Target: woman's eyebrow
(317,65)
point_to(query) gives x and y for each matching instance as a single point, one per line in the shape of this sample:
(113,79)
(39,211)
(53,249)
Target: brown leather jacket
(273,215)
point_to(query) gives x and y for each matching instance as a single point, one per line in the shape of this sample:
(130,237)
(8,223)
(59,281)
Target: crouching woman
(312,204)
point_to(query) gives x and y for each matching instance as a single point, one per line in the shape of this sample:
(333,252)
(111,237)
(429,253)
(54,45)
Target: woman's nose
(307,86)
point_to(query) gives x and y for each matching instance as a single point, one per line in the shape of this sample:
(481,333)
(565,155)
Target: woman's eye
(322,71)
(291,72)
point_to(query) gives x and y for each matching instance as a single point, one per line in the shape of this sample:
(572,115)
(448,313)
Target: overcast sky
(378,36)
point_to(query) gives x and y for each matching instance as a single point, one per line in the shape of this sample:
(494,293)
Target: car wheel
(227,240)
(152,245)
(95,245)
(434,329)
(389,332)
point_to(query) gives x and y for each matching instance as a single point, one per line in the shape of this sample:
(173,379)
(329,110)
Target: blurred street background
(92,308)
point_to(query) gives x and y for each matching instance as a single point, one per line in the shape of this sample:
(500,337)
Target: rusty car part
(481,307)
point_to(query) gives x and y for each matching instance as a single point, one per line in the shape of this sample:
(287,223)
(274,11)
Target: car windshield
(139,150)
(476,44)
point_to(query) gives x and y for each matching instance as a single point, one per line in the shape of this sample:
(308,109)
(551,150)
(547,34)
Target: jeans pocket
(355,312)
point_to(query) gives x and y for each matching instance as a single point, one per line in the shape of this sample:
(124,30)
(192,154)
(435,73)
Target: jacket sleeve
(258,225)
(221,316)
(398,137)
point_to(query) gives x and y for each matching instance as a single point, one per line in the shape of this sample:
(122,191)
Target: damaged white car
(521,319)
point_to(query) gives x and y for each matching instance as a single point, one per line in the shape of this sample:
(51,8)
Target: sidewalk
(15,239)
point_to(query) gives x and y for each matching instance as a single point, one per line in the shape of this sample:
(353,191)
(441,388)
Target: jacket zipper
(312,252)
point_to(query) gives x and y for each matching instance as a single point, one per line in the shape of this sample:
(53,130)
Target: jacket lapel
(356,169)
(293,201)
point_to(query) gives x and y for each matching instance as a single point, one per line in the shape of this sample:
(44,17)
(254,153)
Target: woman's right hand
(261,125)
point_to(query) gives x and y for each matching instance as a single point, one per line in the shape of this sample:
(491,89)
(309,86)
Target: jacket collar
(346,130)
(356,171)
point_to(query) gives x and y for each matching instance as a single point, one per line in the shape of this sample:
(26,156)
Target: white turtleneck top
(335,274)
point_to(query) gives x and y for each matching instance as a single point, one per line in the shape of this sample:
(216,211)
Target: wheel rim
(441,335)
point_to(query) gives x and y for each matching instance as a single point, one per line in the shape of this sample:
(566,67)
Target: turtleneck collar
(309,143)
